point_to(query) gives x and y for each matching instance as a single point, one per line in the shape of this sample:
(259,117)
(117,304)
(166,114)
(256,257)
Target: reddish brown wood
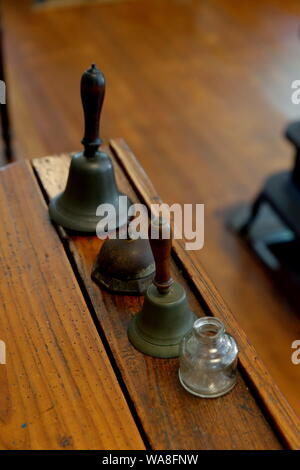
(161,249)
(202,99)
(282,414)
(58,389)
(234,421)
(92,89)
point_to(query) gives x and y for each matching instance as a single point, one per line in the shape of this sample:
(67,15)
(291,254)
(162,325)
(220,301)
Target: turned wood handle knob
(160,238)
(92,95)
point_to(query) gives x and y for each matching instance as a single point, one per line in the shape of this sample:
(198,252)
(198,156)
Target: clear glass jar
(208,359)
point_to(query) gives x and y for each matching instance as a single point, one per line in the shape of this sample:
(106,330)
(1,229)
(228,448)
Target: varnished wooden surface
(201,92)
(234,421)
(280,411)
(58,389)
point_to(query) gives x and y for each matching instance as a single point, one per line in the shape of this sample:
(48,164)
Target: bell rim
(137,286)
(87,224)
(163,351)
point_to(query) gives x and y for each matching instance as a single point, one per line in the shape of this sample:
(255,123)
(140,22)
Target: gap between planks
(53,179)
(278,409)
(71,255)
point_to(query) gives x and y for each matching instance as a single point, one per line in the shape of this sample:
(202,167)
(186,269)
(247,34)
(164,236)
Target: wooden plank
(213,133)
(171,418)
(282,414)
(58,389)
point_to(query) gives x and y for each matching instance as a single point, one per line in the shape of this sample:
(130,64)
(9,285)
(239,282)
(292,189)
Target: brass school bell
(91,179)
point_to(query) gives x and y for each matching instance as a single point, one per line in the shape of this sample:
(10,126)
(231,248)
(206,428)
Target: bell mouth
(115,285)
(79,221)
(208,328)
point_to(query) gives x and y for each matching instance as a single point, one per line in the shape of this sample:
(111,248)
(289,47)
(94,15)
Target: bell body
(91,182)
(208,359)
(164,319)
(124,266)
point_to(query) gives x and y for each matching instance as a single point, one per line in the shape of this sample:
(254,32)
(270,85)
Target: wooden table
(72,380)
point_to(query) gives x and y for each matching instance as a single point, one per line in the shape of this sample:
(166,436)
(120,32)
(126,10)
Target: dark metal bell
(91,179)
(124,266)
(165,317)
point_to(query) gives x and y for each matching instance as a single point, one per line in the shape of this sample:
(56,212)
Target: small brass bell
(124,265)
(91,179)
(165,317)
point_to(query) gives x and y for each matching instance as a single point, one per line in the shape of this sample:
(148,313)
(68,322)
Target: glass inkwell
(208,359)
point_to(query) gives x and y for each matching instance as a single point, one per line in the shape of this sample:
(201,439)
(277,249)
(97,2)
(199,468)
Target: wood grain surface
(201,90)
(58,389)
(172,419)
(281,412)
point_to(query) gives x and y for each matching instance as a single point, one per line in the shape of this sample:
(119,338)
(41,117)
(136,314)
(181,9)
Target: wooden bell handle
(161,249)
(92,89)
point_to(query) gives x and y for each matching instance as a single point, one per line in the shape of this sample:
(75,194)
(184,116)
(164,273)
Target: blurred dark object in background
(5,120)
(271,226)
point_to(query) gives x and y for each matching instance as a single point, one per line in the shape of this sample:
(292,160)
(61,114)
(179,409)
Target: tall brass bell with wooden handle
(165,317)
(91,181)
